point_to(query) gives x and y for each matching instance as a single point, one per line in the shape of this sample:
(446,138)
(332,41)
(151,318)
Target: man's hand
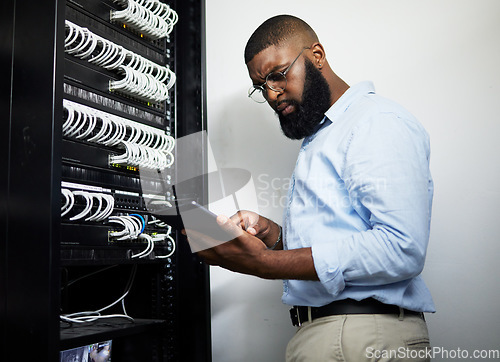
(243,254)
(259,226)
(247,254)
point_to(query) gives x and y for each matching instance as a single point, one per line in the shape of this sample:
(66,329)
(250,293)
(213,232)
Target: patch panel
(129,202)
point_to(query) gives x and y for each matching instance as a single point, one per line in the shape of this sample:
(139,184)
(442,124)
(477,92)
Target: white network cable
(158,223)
(101,212)
(90,316)
(136,155)
(143,78)
(172,241)
(144,146)
(151,17)
(139,85)
(133,228)
(133,225)
(69,201)
(88,206)
(149,248)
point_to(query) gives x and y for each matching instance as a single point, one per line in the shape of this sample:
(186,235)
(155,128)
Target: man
(356,225)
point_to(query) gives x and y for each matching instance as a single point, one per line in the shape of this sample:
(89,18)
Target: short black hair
(275,31)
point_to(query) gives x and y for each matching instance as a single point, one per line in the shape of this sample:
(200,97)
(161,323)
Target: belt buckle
(294,316)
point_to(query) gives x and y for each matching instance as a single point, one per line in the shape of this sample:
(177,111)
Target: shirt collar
(349,96)
(325,122)
(340,106)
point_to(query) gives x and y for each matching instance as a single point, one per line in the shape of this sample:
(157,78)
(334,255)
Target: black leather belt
(299,314)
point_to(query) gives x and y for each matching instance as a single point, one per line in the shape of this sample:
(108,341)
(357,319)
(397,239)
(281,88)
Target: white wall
(438,58)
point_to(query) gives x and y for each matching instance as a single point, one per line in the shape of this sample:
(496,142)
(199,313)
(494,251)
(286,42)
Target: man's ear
(318,54)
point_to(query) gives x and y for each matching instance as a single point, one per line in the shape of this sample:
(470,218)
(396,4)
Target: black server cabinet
(53,265)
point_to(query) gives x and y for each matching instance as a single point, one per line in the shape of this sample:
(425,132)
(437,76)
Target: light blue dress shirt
(361,198)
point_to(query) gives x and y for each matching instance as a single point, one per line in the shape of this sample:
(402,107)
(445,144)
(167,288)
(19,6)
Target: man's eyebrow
(273,69)
(277,67)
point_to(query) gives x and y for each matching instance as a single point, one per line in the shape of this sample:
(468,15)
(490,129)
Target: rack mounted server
(96,94)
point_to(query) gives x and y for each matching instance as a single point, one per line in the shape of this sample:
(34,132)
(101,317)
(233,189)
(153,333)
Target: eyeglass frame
(262,87)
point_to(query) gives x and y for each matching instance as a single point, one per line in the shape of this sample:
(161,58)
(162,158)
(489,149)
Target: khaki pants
(359,338)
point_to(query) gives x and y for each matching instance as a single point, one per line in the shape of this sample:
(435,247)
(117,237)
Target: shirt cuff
(328,268)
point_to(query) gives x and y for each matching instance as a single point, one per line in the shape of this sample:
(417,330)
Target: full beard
(310,112)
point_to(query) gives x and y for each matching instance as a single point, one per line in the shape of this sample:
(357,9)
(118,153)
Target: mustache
(290,102)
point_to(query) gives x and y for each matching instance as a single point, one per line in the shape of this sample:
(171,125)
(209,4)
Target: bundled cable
(168,237)
(69,201)
(140,85)
(142,78)
(133,226)
(149,248)
(88,204)
(151,17)
(105,204)
(144,146)
(141,156)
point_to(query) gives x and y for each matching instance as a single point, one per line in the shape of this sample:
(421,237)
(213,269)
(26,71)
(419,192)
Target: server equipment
(95,97)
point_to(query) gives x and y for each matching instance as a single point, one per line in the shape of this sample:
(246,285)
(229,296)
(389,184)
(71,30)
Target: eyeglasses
(276,81)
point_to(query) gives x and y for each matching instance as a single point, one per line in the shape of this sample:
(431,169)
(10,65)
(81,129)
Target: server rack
(51,265)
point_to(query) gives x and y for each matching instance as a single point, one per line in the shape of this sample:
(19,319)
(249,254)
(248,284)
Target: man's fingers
(252,231)
(241,220)
(229,226)
(247,221)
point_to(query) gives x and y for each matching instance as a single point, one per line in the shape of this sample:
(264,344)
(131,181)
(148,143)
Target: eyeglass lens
(275,80)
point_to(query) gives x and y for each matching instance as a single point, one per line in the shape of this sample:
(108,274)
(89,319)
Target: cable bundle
(133,224)
(151,17)
(144,146)
(141,156)
(167,235)
(140,85)
(101,212)
(133,227)
(151,239)
(143,78)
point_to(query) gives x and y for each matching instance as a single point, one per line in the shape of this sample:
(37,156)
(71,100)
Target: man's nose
(272,95)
